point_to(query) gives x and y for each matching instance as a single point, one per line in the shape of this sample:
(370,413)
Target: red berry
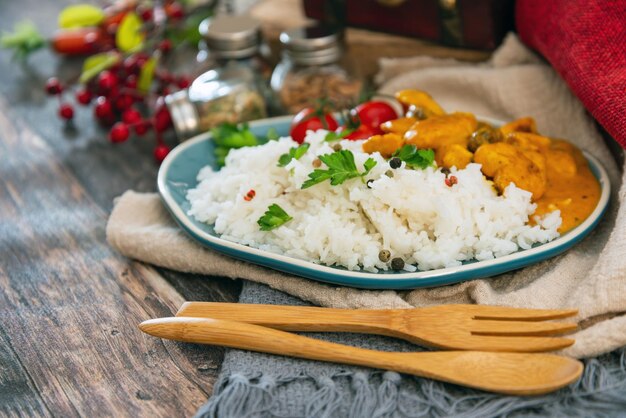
(162,119)
(53,86)
(103,109)
(165,46)
(107,80)
(123,101)
(160,152)
(183,82)
(131,116)
(66,111)
(119,132)
(146,14)
(165,76)
(142,127)
(142,57)
(174,11)
(83,97)
(131,65)
(131,81)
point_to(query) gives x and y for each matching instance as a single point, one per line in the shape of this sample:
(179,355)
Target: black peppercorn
(395,162)
(397,263)
(389,173)
(369,183)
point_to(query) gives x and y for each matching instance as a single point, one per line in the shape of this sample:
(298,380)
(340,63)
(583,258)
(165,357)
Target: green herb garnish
(228,136)
(274,217)
(335,136)
(295,152)
(341,167)
(272,134)
(415,158)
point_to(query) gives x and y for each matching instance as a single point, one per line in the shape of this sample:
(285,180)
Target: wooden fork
(510,373)
(453,327)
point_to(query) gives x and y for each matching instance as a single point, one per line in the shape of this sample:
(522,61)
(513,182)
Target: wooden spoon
(509,373)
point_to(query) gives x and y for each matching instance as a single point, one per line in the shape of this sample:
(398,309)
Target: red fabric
(585,41)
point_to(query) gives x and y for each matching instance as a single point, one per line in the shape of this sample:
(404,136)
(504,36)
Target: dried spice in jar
(311,70)
(234,90)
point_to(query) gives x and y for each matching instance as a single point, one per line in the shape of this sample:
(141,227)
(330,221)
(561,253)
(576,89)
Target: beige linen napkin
(590,277)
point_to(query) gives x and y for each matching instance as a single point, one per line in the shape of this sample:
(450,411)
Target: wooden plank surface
(69,305)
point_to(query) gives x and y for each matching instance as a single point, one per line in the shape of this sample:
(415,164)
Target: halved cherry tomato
(309,119)
(374,112)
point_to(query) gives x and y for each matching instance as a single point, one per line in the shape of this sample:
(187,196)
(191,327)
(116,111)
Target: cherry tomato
(309,119)
(362,132)
(373,113)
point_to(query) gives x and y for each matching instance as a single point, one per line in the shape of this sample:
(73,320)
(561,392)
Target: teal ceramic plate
(178,174)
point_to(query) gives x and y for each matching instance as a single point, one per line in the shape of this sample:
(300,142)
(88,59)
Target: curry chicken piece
(506,164)
(453,155)
(398,126)
(526,124)
(419,103)
(439,131)
(385,144)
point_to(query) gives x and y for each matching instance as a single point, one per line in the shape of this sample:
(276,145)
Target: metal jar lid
(312,45)
(231,36)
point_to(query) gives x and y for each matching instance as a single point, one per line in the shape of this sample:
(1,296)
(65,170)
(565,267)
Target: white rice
(413,214)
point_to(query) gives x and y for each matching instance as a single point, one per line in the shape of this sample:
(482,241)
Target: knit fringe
(600,392)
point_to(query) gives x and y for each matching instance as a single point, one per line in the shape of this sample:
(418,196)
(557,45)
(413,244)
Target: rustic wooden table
(70,305)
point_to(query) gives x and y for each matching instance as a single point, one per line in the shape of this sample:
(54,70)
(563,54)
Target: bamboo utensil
(508,373)
(456,327)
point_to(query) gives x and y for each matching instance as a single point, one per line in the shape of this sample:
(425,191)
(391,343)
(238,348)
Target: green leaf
(146,75)
(341,167)
(335,136)
(368,165)
(274,217)
(129,36)
(415,158)
(228,136)
(95,64)
(295,152)
(272,134)
(80,15)
(24,40)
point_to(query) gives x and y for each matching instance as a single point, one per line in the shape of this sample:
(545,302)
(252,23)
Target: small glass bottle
(234,89)
(312,70)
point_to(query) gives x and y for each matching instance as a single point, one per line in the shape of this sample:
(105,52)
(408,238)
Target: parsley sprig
(274,217)
(337,135)
(295,152)
(415,158)
(229,136)
(341,167)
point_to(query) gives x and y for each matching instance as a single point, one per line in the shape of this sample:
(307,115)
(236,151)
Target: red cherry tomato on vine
(373,113)
(309,119)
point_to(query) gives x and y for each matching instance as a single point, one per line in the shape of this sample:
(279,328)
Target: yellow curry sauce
(553,170)
(576,196)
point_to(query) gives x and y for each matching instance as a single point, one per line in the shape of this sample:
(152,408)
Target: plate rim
(374,280)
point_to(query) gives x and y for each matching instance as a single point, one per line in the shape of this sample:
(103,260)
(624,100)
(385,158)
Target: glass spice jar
(234,89)
(312,70)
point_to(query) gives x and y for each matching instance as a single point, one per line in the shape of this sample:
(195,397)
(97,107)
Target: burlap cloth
(590,277)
